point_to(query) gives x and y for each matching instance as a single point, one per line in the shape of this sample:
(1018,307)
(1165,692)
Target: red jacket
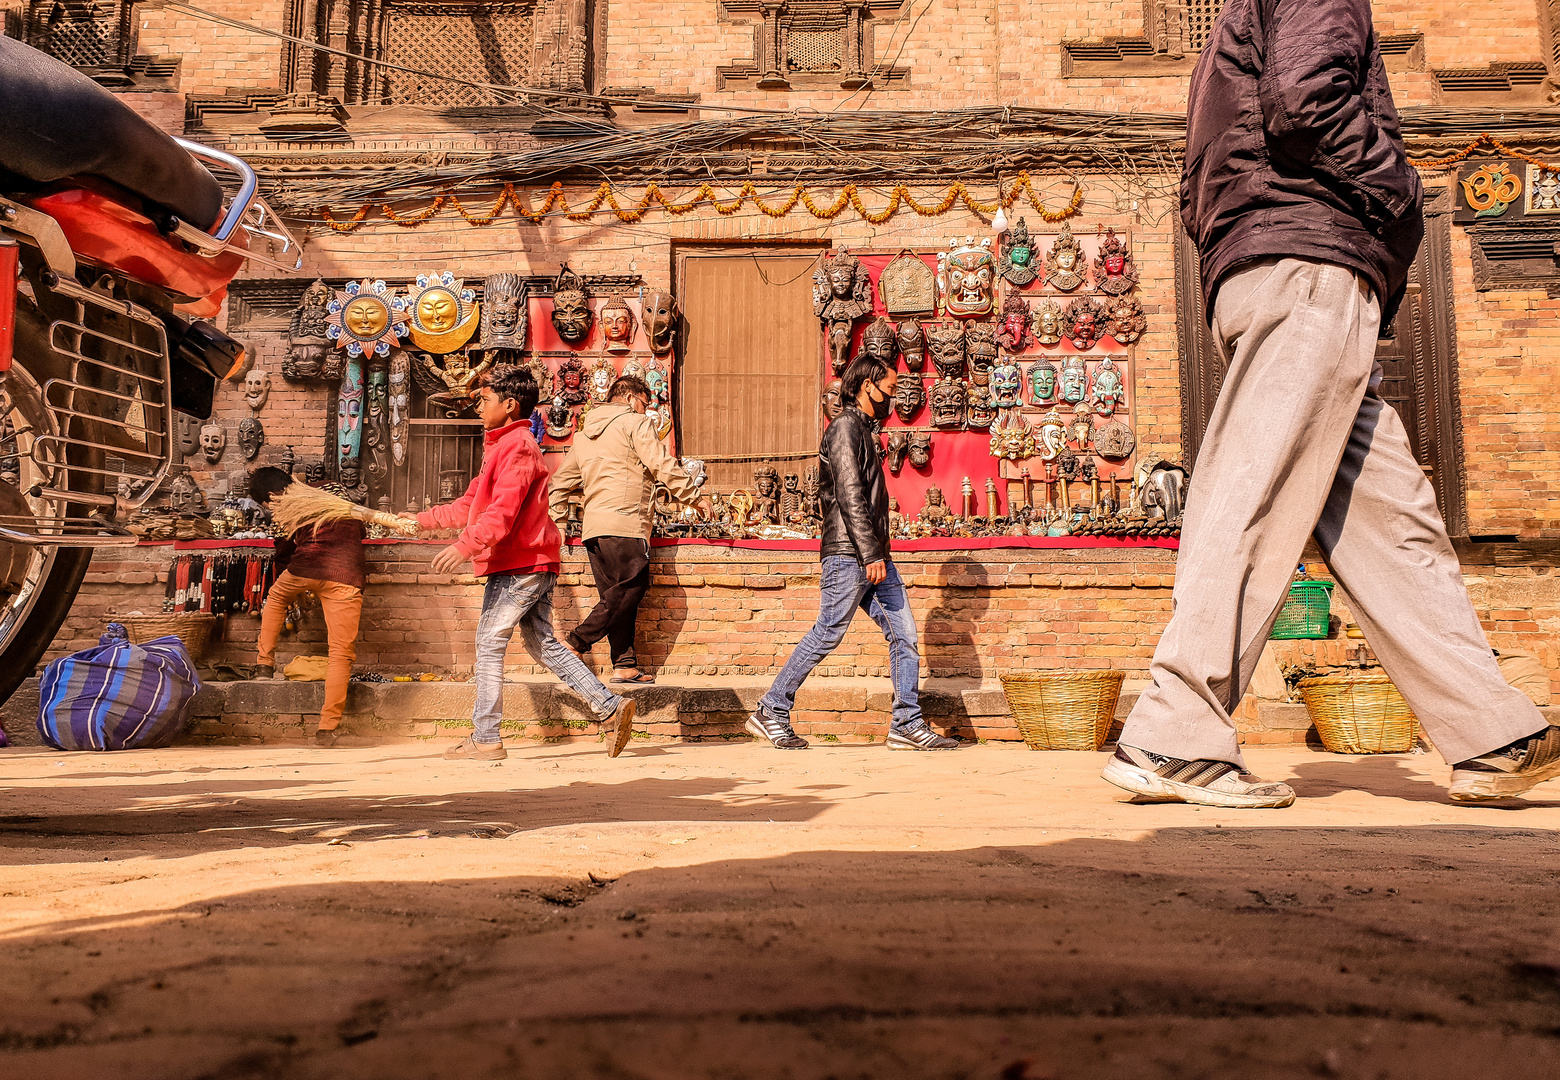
(503,515)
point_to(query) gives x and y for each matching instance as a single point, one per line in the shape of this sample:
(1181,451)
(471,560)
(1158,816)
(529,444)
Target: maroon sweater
(330,552)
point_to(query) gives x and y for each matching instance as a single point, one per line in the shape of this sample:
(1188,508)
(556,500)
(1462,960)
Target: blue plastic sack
(117,696)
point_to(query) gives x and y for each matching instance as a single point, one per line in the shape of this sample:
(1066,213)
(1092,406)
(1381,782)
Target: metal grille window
(489,44)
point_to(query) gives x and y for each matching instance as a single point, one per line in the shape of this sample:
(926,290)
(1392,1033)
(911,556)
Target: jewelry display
(908,286)
(966,275)
(841,295)
(1064,263)
(1115,274)
(1016,263)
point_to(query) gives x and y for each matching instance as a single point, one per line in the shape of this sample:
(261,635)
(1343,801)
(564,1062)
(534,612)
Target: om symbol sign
(1490,190)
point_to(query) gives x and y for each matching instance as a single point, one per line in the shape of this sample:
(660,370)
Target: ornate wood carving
(812,44)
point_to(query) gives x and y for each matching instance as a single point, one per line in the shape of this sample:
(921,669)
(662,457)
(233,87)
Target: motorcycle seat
(56,123)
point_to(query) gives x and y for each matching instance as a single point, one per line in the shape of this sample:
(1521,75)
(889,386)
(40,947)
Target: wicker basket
(1306,612)
(1360,714)
(1064,710)
(191,627)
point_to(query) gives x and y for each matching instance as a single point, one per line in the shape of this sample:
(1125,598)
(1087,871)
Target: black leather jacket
(851,488)
(1293,146)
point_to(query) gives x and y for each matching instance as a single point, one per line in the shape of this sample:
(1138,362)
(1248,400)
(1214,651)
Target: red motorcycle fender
(10,261)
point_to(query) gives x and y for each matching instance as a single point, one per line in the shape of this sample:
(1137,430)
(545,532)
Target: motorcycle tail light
(10,261)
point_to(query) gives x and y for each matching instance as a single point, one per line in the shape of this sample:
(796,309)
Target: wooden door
(751,362)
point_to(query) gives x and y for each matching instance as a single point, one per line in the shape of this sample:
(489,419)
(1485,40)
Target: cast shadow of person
(951,632)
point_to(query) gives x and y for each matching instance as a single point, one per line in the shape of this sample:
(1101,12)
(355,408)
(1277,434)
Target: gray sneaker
(763,726)
(1509,771)
(1207,783)
(920,737)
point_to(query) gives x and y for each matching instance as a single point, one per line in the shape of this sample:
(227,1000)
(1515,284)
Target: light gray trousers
(1300,445)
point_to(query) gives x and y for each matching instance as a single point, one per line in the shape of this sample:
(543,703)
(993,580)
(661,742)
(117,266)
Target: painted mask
(1081,431)
(1013,332)
(504,315)
(1074,380)
(909,397)
(314,473)
(618,325)
(349,417)
(560,419)
(351,477)
(946,341)
(898,447)
(1114,272)
(1106,390)
(1083,321)
(655,379)
(980,345)
(880,341)
(251,436)
(571,311)
(660,322)
(965,277)
(1064,263)
(187,430)
(1018,256)
(1124,319)
(183,495)
(602,375)
(571,380)
(912,344)
(1042,383)
(213,440)
(948,401)
(1007,384)
(399,405)
(257,388)
(920,449)
(444,313)
(1047,322)
(1052,436)
(982,410)
(833,403)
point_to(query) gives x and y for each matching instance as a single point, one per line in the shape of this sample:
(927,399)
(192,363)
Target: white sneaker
(1207,783)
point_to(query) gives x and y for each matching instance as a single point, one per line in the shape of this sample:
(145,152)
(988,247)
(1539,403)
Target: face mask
(882,406)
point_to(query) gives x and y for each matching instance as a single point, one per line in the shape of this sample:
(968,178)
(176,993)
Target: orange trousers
(343,607)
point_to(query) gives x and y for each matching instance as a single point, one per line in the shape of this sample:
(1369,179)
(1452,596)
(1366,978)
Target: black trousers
(621,567)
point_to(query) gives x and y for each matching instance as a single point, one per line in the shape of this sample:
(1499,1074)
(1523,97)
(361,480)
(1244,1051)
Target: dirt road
(733,911)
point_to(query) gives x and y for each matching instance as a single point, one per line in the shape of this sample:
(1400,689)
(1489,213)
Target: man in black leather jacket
(1306,214)
(857,571)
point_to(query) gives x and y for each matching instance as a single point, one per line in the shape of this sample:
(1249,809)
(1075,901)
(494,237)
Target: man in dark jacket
(1307,216)
(857,570)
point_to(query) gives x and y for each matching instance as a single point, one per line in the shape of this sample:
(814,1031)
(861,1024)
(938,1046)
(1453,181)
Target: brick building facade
(1485,370)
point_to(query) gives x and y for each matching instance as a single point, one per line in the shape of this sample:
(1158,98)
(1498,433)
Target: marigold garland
(1498,147)
(849,196)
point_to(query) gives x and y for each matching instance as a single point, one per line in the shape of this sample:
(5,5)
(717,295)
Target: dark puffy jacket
(1293,146)
(851,488)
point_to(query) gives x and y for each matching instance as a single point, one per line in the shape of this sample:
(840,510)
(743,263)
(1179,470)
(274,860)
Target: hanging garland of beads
(606,196)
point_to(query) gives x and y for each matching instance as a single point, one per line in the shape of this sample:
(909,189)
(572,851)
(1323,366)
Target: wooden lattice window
(88,34)
(491,44)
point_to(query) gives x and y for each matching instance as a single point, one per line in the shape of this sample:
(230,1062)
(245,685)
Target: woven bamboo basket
(191,627)
(1360,714)
(1063,710)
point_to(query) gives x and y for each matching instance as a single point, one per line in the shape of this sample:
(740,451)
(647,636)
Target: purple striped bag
(117,696)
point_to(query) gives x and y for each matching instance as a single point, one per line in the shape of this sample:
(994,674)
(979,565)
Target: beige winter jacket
(616,459)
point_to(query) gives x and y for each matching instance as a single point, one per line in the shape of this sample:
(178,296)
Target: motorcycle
(117,243)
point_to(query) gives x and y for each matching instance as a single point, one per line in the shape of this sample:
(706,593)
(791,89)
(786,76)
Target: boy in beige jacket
(615,460)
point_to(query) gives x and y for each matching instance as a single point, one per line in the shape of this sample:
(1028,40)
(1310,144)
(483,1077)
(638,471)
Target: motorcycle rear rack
(64,531)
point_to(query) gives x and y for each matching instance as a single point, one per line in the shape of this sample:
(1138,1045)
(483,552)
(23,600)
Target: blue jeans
(845,588)
(525,600)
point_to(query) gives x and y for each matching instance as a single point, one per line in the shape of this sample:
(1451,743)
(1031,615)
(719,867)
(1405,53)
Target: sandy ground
(735,911)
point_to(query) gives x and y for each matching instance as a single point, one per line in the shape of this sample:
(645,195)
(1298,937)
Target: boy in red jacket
(508,537)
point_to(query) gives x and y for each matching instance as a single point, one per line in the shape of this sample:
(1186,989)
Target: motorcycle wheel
(49,577)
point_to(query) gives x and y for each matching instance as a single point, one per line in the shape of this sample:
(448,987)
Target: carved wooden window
(492,44)
(1419,366)
(801,44)
(87,34)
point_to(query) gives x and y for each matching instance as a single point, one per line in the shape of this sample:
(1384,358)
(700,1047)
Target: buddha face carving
(982,410)
(1018,256)
(257,388)
(251,436)
(571,311)
(948,400)
(1064,264)
(1042,383)
(965,276)
(946,341)
(1074,380)
(880,341)
(213,440)
(660,322)
(187,430)
(1124,319)
(912,344)
(920,449)
(1083,322)
(1114,272)
(618,325)
(1007,383)
(1013,332)
(183,495)
(1047,322)
(444,313)
(504,315)
(898,447)
(833,402)
(909,397)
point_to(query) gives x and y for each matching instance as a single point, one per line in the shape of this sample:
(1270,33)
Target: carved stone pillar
(857,66)
(773,61)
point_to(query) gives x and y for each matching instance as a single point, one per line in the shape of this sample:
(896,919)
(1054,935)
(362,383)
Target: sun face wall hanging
(444,313)
(365,317)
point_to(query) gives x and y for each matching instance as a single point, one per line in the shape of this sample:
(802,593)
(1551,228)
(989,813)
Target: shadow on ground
(1254,953)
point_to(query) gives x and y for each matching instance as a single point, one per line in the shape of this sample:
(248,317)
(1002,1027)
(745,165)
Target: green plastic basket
(1306,612)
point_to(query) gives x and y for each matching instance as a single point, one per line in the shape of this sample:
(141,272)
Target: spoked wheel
(37,583)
